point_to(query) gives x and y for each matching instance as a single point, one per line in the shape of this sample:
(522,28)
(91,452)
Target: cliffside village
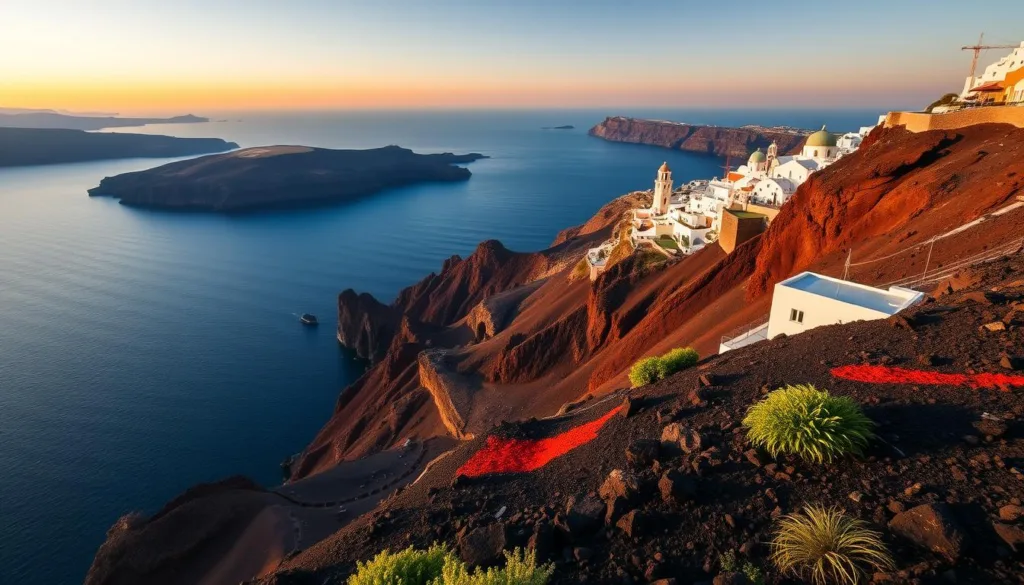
(737,207)
(728,210)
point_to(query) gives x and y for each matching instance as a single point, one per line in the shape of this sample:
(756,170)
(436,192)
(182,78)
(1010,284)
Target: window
(796,316)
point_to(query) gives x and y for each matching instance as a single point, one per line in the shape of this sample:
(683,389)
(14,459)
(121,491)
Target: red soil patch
(890,375)
(517,455)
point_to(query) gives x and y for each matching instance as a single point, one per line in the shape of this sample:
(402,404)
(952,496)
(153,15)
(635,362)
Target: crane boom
(979,48)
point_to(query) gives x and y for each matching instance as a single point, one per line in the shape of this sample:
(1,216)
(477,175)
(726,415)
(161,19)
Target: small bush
(730,564)
(652,369)
(645,371)
(828,547)
(801,420)
(407,567)
(439,566)
(679,359)
(520,569)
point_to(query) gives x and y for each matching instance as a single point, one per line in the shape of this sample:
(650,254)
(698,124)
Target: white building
(994,72)
(810,300)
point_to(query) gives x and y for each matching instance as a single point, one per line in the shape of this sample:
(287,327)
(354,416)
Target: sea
(143,351)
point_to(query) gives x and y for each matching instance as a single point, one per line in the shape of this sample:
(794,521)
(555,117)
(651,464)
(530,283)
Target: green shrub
(828,547)
(730,564)
(801,420)
(520,569)
(439,566)
(407,567)
(678,359)
(652,369)
(645,371)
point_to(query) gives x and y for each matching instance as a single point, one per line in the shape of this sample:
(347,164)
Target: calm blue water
(142,352)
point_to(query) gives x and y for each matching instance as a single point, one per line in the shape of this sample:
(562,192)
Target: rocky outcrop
(451,393)
(37,146)
(715,140)
(281,176)
(365,324)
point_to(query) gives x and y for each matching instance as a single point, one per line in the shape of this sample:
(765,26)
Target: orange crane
(979,48)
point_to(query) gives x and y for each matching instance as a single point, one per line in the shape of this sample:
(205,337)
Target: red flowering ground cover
(516,455)
(891,375)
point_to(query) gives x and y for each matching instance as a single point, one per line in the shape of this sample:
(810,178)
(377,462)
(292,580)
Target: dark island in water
(566,127)
(52,119)
(281,176)
(44,146)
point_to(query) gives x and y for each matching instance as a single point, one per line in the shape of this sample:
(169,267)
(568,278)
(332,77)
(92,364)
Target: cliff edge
(713,140)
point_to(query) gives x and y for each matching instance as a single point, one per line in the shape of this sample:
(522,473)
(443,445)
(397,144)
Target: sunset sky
(149,56)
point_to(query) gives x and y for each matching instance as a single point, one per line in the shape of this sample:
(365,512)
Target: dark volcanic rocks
(483,546)
(281,176)
(931,526)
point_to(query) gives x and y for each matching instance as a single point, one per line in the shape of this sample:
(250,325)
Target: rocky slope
(37,146)
(943,484)
(277,176)
(716,140)
(510,336)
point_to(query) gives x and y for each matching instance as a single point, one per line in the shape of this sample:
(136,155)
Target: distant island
(281,176)
(566,127)
(714,140)
(12,118)
(44,146)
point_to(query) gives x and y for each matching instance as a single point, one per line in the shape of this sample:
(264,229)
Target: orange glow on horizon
(196,96)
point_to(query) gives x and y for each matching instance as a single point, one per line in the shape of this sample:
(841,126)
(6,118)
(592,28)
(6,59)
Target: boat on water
(308,319)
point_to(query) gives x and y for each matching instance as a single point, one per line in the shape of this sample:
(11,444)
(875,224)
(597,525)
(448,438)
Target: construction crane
(978,49)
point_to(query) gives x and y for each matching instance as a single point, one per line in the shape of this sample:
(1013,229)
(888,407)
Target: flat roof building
(810,300)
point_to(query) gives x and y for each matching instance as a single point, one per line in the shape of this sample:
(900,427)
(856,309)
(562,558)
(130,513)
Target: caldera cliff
(715,140)
(508,336)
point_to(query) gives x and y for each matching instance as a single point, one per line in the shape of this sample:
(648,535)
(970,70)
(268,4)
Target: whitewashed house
(810,300)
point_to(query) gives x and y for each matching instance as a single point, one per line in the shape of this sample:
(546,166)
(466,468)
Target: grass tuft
(813,424)
(438,565)
(731,564)
(827,547)
(652,369)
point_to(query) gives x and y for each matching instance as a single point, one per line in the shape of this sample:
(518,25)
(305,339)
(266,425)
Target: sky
(164,56)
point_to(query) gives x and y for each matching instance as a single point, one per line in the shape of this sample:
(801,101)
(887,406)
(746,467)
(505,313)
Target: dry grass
(827,547)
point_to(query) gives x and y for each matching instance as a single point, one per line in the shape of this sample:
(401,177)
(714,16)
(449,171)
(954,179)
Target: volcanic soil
(956,449)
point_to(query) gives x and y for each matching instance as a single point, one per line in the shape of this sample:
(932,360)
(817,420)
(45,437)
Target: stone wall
(736,230)
(920,122)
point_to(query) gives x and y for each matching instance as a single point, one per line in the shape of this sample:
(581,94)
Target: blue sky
(145,54)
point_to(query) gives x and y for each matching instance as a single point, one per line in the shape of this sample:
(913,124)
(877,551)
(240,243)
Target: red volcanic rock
(937,180)
(716,140)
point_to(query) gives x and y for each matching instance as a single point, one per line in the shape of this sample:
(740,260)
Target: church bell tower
(662,190)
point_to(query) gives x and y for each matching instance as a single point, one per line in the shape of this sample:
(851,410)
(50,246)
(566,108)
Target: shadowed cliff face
(718,141)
